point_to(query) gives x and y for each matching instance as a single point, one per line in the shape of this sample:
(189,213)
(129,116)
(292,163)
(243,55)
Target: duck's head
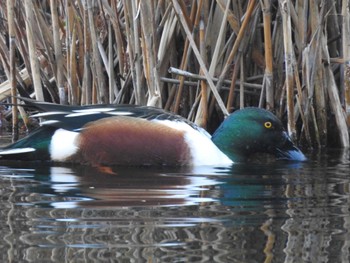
(253,131)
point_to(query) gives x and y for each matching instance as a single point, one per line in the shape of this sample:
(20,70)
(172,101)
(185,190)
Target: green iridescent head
(253,131)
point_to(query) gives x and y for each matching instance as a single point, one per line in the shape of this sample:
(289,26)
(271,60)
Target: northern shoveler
(140,135)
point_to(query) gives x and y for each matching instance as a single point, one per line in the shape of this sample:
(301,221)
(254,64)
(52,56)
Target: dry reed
(201,59)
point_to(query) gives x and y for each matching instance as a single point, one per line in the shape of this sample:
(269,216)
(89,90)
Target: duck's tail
(32,147)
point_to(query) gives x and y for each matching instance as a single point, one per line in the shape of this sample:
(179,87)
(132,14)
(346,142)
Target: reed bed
(200,59)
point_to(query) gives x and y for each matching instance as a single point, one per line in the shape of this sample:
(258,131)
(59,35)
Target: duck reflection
(242,213)
(83,186)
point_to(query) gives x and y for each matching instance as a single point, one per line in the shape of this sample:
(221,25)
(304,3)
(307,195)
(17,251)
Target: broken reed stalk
(111,83)
(12,75)
(230,97)
(318,70)
(231,17)
(337,109)
(57,52)
(219,44)
(96,60)
(72,62)
(215,80)
(149,51)
(184,61)
(289,60)
(202,113)
(346,54)
(135,52)
(87,84)
(248,14)
(30,24)
(199,58)
(268,76)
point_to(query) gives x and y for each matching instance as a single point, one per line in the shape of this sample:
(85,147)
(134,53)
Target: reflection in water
(280,212)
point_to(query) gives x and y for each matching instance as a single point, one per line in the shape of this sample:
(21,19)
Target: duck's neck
(228,148)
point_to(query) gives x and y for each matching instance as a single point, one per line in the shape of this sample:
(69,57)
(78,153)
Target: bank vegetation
(200,59)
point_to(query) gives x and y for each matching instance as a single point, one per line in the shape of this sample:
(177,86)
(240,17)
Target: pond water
(276,212)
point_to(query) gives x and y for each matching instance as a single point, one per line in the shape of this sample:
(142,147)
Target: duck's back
(115,135)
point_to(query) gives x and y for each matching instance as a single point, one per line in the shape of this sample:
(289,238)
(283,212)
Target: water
(277,212)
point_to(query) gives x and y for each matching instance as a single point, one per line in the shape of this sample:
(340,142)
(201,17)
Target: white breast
(63,145)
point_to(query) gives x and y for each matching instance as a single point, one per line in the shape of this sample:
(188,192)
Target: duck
(131,135)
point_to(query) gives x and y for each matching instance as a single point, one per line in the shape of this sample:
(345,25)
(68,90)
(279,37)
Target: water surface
(276,212)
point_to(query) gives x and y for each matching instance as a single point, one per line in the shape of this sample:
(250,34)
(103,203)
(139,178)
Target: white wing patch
(120,113)
(203,150)
(44,114)
(49,122)
(78,114)
(94,110)
(86,113)
(17,151)
(63,145)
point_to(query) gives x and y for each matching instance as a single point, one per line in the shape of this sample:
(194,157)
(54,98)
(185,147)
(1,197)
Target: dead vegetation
(201,59)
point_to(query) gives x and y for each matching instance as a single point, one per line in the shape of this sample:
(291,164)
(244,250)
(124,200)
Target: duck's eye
(268,125)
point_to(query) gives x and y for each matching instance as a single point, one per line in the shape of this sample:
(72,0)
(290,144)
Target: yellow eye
(268,125)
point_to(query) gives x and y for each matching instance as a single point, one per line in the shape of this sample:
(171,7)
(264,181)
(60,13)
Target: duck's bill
(290,152)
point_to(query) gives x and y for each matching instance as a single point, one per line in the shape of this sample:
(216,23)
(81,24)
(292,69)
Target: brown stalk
(231,18)
(100,82)
(318,71)
(57,52)
(73,81)
(233,84)
(268,76)
(199,58)
(110,68)
(12,75)
(309,91)
(202,113)
(346,55)
(241,91)
(133,45)
(336,107)
(185,56)
(44,37)
(79,14)
(237,43)
(32,50)
(302,14)
(333,94)
(149,55)
(219,41)
(215,80)
(289,59)
(87,86)
(69,29)
(119,40)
